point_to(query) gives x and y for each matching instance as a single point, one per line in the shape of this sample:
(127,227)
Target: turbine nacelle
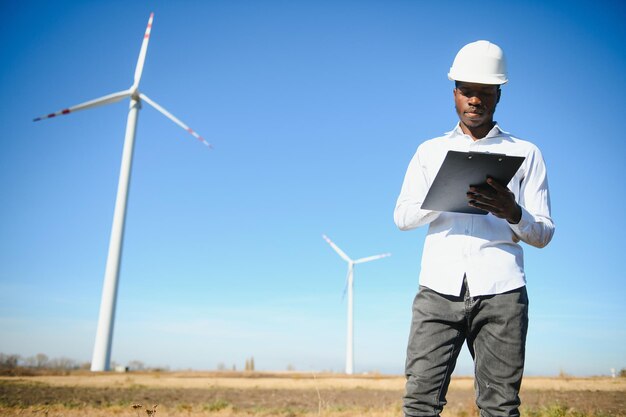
(134,93)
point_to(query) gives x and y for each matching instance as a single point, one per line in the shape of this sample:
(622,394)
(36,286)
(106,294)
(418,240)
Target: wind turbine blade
(372,258)
(174,119)
(336,248)
(142,52)
(111,98)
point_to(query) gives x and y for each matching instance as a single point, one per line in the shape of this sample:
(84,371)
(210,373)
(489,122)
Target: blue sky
(315,109)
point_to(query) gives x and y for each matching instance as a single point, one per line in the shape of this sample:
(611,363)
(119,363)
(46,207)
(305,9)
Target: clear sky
(314,109)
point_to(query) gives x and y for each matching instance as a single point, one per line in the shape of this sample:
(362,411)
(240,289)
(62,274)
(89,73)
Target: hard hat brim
(495,79)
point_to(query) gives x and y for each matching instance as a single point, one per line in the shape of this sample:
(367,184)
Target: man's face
(476,103)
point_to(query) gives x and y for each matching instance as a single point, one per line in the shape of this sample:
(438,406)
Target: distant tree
(63,363)
(250,364)
(622,373)
(9,361)
(135,365)
(290,367)
(29,362)
(221,366)
(41,360)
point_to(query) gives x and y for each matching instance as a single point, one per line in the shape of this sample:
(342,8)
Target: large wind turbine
(349,287)
(104,336)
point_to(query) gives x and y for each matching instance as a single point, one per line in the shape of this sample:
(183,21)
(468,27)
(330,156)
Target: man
(472,282)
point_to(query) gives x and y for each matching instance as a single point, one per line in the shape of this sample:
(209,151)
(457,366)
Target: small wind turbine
(104,336)
(349,287)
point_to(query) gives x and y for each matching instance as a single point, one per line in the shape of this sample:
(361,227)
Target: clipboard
(462,169)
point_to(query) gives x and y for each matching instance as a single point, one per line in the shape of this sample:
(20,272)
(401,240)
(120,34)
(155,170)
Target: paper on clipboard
(459,170)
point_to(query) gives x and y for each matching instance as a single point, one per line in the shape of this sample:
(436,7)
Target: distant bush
(9,361)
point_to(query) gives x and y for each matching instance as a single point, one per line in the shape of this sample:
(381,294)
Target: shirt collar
(495,131)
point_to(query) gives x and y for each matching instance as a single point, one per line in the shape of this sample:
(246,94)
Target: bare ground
(285,394)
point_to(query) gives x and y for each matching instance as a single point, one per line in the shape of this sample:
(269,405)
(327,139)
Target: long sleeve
(536,227)
(408,213)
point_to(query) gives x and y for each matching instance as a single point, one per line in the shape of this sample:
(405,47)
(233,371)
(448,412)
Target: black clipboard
(459,170)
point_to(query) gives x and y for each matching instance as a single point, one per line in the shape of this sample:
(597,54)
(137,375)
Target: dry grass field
(232,394)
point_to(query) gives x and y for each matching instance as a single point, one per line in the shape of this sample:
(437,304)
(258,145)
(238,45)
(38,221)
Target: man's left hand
(496,199)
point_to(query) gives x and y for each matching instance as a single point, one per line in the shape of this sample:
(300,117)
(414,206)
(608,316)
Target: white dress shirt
(483,248)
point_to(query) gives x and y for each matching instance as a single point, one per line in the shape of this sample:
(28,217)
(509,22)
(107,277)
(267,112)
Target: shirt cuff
(523,223)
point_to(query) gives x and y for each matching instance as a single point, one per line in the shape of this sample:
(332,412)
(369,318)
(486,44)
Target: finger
(496,185)
(486,207)
(496,204)
(479,197)
(480,205)
(485,190)
(483,205)
(479,188)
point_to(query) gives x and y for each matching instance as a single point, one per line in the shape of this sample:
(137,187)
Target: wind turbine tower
(349,287)
(101,359)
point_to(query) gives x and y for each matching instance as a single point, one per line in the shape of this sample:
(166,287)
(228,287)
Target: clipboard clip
(500,156)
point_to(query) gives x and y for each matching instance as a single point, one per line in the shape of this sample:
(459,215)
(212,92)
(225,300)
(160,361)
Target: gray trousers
(494,327)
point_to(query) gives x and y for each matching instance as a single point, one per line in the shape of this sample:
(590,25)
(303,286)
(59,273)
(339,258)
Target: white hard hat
(479,62)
